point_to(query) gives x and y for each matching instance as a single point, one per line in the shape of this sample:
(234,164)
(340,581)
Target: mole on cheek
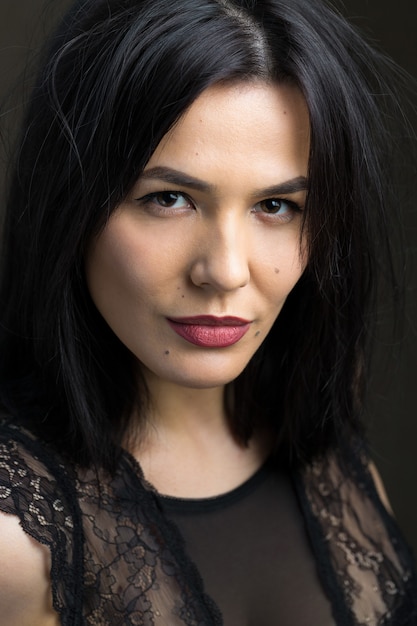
(258,332)
(167,352)
(276,270)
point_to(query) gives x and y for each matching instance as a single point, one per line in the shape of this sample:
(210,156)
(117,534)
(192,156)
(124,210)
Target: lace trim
(363,561)
(174,539)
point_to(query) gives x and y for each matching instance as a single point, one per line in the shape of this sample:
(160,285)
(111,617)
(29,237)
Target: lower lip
(210,336)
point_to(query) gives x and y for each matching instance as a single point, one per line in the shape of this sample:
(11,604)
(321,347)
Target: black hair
(116,76)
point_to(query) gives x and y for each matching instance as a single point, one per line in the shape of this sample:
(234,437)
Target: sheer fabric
(252,551)
(118,560)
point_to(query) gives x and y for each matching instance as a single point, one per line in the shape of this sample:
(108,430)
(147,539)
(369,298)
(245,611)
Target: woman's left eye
(279,207)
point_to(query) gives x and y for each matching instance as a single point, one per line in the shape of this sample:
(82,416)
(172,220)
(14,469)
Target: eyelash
(294,207)
(151,199)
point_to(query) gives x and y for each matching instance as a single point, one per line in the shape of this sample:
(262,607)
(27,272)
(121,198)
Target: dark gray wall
(393,408)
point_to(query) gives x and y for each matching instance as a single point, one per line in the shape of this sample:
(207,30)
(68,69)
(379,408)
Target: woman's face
(195,265)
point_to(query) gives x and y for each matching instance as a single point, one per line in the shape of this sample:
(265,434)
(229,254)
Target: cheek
(107,269)
(113,277)
(278,266)
(126,272)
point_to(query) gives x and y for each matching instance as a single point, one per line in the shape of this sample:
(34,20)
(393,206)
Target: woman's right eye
(167,200)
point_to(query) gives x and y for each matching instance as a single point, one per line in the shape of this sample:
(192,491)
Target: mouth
(209,331)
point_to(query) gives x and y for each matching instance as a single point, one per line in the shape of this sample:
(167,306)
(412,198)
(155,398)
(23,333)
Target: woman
(186,295)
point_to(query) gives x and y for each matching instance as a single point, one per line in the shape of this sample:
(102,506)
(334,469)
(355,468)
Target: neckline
(192,505)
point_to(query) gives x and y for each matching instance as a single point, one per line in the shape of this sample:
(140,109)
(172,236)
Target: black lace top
(117,559)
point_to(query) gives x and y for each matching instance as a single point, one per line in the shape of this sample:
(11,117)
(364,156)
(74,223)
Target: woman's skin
(227,246)
(25,589)
(212,228)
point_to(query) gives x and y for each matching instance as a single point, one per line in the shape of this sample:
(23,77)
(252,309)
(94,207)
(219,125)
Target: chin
(198,377)
(205,382)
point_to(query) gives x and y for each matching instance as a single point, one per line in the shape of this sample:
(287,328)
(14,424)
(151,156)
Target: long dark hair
(116,76)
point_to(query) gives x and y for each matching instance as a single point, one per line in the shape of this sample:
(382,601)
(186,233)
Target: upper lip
(211,320)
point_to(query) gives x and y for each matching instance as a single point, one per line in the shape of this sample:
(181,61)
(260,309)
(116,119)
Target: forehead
(248,126)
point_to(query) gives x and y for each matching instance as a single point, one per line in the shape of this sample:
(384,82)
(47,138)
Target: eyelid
(148,198)
(287,211)
(293,204)
(149,202)
(153,194)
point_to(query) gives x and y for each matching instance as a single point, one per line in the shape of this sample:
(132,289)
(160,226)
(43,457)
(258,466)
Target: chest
(252,551)
(260,555)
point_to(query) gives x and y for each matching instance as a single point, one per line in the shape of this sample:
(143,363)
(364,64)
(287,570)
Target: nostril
(221,269)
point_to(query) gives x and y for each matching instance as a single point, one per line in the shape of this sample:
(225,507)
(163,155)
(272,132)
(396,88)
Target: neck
(188,449)
(183,411)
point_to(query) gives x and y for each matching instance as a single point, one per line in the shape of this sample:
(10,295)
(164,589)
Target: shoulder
(25,588)
(37,486)
(40,530)
(379,486)
(356,540)
(33,480)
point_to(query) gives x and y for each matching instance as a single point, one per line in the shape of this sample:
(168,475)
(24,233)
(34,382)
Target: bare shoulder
(25,591)
(379,486)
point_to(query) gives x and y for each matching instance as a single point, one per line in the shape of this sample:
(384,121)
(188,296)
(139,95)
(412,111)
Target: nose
(221,260)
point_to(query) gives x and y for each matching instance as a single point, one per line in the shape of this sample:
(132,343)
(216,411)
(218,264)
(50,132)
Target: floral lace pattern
(116,560)
(366,556)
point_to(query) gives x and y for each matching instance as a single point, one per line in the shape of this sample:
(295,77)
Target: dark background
(393,405)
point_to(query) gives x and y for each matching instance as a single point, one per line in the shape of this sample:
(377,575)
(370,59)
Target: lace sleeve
(365,564)
(38,490)
(116,561)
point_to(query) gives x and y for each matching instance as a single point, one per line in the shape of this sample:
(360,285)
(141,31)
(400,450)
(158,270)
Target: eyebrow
(180,179)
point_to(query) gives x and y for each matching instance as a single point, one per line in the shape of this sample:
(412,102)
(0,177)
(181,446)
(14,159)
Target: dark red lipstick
(209,331)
